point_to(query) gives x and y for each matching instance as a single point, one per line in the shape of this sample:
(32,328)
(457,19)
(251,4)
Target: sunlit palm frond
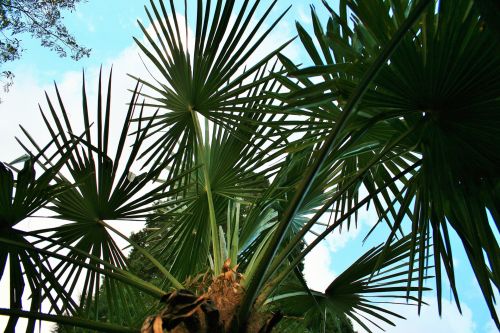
(204,75)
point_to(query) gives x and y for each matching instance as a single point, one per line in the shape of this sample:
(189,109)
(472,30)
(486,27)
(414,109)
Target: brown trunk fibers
(212,312)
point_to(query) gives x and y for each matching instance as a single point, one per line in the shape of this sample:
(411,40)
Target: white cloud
(304,16)
(317,271)
(19,106)
(339,239)
(318,263)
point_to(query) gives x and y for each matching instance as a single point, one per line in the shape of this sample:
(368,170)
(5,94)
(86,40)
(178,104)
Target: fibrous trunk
(211,312)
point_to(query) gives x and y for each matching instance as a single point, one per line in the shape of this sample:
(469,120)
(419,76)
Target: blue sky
(107,27)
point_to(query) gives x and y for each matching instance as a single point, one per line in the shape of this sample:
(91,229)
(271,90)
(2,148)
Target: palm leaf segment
(360,292)
(204,77)
(19,199)
(442,82)
(100,190)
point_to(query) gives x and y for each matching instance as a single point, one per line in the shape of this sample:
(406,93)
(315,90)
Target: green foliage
(20,198)
(42,20)
(312,322)
(440,88)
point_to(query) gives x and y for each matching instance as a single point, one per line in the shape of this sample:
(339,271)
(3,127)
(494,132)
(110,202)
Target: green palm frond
(27,194)
(359,292)
(101,190)
(381,273)
(205,78)
(443,76)
(20,198)
(236,166)
(332,143)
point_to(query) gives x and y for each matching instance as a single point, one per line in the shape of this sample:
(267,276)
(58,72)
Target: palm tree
(241,158)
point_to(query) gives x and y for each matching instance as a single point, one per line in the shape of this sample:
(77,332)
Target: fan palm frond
(443,76)
(359,292)
(205,78)
(100,190)
(20,198)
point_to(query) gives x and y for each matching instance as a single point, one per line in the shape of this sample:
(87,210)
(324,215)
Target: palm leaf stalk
(74,321)
(214,231)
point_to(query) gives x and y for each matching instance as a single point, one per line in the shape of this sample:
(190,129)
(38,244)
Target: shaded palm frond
(100,189)
(20,198)
(444,77)
(360,292)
